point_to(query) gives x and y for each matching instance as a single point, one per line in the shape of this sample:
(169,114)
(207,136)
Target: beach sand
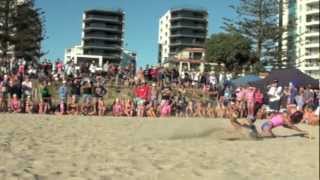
(35,147)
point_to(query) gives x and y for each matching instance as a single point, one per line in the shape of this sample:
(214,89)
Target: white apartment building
(302,40)
(179,29)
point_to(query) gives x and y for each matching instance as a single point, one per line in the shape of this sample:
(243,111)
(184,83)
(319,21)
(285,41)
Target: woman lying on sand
(285,120)
(282,119)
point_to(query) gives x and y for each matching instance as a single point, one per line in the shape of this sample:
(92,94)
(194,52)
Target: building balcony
(103,47)
(177,35)
(312,56)
(182,26)
(312,33)
(313,22)
(105,38)
(104,19)
(101,28)
(310,45)
(191,44)
(180,17)
(313,11)
(311,67)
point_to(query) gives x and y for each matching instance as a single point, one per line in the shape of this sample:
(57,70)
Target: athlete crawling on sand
(285,120)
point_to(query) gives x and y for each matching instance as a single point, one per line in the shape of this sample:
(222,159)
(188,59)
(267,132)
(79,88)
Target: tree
(258,20)
(21,31)
(232,50)
(7,14)
(29,32)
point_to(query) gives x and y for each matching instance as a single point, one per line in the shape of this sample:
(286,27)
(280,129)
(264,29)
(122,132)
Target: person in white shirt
(212,79)
(93,68)
(274,94)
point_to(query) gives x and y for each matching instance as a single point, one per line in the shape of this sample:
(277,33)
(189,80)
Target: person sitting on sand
(199,110)
(101,107)
(282,119)
(73,106)
(28,105)
(140,108)
(189,109)
(150,111)
(165,108)
(210,110)
(87,107)
(15,105)
(221,108)
(117,108)
(128,108)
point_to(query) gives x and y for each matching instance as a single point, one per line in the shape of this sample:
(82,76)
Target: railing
(189,17)
(102,37)
(188,26)
(102,18)
(98,46)
(103,28)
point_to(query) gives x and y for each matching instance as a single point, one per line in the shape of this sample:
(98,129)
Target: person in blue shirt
(63,96)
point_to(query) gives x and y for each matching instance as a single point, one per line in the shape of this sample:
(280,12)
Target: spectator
(274,94)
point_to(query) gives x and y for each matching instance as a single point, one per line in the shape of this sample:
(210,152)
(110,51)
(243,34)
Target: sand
(34,147)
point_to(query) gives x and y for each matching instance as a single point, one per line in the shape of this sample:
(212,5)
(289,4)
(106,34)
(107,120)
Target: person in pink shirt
(15,105)
(21,69)
(240,97)
(59,67)
(165,109)
(250,99)
(282,119)
(117,109)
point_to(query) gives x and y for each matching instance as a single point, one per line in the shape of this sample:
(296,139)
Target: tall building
(180,29)
(301,41)
(102,38)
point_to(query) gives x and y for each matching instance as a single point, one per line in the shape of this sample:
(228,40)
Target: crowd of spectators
(57,88)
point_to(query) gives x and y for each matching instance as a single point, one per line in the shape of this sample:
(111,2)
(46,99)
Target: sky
(63,22)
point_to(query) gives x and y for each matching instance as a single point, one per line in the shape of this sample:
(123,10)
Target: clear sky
(63,22)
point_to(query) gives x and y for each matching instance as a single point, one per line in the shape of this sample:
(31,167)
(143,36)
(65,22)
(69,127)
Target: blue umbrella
(245,80)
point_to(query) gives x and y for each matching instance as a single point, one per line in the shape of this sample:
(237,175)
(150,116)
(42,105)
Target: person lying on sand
(282,119)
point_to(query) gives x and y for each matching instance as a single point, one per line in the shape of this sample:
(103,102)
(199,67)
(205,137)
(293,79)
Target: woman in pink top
(117,108)
(15,105)
(250,98)
(166,109)
(284,120)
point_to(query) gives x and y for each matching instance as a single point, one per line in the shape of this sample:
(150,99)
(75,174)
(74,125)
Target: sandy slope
(52,147)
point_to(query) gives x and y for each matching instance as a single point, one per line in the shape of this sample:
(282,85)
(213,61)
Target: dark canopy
(285,76)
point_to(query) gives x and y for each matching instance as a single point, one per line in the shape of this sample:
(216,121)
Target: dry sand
(76,148)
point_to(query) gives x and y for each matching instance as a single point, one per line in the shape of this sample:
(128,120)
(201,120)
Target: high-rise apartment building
(301,41)
(102,37)
(180,29)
